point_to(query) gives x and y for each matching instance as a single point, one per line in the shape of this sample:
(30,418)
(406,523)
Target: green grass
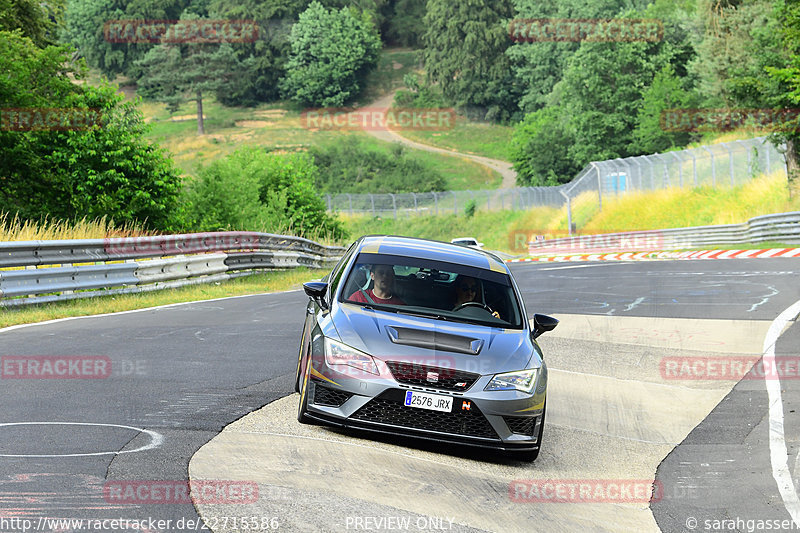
(393,64)
(278,126)
(478,138)
(255,284)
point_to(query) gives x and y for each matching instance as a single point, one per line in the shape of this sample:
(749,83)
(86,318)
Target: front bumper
(501,420)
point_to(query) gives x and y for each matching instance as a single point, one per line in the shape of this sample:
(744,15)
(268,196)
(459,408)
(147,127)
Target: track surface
(187,371)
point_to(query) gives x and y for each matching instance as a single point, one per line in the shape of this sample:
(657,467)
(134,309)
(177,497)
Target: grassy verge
(15,229)
(282,128)
(478,138)
(670,208)
(258,283)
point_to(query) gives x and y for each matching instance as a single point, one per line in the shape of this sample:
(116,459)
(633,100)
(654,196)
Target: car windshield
(440,290)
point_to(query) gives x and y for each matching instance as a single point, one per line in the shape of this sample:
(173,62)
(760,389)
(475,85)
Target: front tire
(302,408)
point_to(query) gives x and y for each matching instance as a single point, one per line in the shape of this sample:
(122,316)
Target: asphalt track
(185,372)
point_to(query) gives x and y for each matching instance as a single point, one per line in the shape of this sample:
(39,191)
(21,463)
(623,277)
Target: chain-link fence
(723,164)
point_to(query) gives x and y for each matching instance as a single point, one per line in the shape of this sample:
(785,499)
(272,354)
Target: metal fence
(33,272)
(723,164)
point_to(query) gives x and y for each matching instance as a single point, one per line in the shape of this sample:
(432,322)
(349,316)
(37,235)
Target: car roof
(431,250)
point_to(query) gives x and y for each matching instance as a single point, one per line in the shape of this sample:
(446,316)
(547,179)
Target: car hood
(395,336)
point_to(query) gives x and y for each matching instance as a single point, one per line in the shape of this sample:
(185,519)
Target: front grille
(388,408)
(333,398)
(522,425)
(421,376)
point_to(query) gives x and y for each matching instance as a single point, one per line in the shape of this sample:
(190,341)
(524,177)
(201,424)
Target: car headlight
(521,380)
(338,354)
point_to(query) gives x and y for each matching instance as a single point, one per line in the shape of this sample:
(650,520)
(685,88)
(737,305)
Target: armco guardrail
(781,227)
(46,271)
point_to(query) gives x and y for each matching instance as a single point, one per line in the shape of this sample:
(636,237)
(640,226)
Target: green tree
(540,147)
(746,58)
(538,66)
(666,92)
(175,74)
(37,20)
(464,52)
(332,52)
(105,170)
(86,20)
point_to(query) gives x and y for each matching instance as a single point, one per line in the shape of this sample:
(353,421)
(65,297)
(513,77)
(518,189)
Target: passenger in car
(382,291)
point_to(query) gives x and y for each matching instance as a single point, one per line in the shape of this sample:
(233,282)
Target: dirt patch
(396,65)
(184,118)
(252,123)
(270,113)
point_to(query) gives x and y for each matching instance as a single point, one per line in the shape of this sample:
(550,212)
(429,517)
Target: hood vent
(434,340)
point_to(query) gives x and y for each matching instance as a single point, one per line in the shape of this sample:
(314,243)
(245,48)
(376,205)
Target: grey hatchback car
(424,339)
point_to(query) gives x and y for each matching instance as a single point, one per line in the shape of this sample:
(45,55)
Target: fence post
(436,202)
(569,211)
(713,167)
(599,189)
(372,199)
(455,203)
(730,161)
(394,205)
(350,199)
(768,166)
(329,202)
(680,168)
(415,200)
(694,168)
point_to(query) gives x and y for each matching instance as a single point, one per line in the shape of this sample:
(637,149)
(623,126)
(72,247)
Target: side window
(336,274)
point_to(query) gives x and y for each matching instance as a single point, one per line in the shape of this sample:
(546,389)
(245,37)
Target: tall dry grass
(13,228)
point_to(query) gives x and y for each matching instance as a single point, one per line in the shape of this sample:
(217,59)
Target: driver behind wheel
(467,289)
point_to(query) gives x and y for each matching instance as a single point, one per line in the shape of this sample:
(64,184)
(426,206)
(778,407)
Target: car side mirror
(542,324)
(316,290)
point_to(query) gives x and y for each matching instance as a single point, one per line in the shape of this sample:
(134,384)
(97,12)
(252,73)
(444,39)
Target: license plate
(432,402)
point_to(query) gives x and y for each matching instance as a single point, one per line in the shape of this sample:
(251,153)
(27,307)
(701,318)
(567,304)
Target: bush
(348,166)
(255,191)
(469,209)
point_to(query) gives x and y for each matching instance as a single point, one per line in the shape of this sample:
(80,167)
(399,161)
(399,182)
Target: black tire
(302,408)
(297,372)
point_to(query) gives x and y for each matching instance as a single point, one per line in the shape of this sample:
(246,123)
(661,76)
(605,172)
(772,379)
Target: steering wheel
(474,304)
